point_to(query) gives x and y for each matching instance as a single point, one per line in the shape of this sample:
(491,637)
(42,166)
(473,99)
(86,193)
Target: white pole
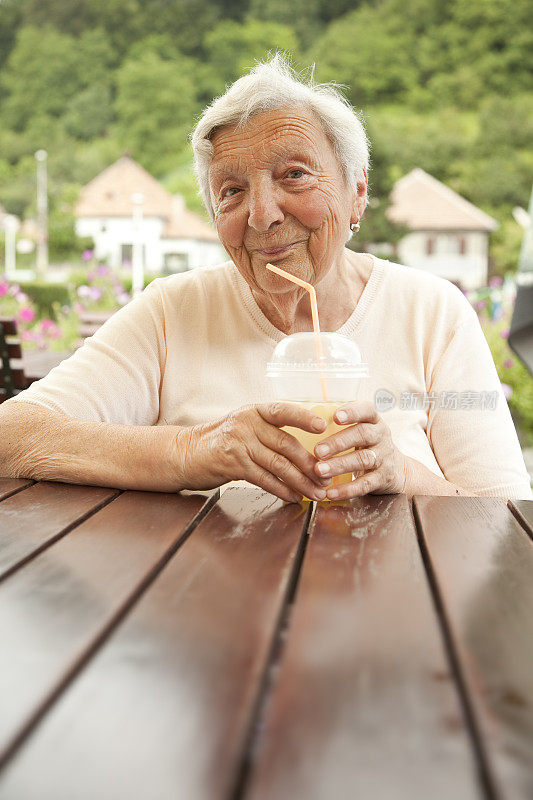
(137,256)
(42,211)
(11,226)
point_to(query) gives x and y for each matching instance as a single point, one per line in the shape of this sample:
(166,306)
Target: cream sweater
(195,345)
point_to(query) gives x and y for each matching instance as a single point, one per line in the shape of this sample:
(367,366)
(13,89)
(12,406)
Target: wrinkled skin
(280,197)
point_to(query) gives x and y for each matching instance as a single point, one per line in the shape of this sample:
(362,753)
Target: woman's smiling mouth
(272,252)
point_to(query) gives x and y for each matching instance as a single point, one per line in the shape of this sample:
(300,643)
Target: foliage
(444,86)
(150,123)
(517,382)
(46,298)
(35,330)
(232,48)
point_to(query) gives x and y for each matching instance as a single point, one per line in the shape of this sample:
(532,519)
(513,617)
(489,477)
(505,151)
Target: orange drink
(310,440)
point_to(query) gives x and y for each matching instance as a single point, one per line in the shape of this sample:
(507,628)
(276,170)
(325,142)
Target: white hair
(273,85)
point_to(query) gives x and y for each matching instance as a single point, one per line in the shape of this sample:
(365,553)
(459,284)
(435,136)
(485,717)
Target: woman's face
(279,196)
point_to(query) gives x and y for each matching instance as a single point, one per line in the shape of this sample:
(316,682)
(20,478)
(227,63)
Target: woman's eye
(231,191)
(295,173)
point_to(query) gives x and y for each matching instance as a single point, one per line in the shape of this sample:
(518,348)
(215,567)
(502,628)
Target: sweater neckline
(348,328)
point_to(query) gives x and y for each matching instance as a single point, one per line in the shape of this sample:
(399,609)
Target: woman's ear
(360,197)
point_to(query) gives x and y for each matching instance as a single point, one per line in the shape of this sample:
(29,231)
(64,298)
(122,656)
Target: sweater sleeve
(470,428)
(116,375)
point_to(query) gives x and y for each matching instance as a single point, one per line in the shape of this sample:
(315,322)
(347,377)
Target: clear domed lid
(298,353)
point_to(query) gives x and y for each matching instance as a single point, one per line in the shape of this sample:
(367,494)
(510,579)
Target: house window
(176,262)
(430,245)
(126,254)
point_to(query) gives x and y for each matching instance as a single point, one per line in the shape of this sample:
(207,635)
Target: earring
(354,226)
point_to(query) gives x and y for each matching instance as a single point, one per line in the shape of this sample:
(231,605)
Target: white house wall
(109,234)
(470,269)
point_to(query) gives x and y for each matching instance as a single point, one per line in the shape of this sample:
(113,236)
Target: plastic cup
(295,376)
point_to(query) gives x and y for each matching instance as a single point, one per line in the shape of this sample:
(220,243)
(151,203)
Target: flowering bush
(494,311)
(101,290)
(34,333)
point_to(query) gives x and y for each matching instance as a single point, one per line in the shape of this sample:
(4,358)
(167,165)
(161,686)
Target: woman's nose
(264,208)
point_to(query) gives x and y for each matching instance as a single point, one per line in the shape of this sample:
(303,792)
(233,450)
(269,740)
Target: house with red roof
(448,235)
(125,210)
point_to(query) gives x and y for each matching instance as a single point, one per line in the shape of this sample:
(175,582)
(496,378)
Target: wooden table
(202,646)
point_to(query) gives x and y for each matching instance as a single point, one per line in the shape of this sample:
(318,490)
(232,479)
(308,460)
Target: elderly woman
(171,392)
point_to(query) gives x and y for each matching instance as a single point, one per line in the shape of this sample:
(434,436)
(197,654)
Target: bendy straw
(314,314)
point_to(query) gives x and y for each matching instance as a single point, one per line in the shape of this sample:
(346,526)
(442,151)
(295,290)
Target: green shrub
(47,297)
(513,373)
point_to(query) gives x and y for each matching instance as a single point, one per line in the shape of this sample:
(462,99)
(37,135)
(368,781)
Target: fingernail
(342,416)
(333,494)
(318,423)
(323,468)
(320,494)
(321,450)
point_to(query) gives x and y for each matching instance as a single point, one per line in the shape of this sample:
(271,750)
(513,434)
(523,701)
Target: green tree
(303,16)
(233,48)
(10,20)
(46,69)
(370,51)
(155,107)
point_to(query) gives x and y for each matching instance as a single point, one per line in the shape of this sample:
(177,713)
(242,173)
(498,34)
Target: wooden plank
(9,486)
(9,326)
(523,511)
(483,566)
(164,710)
(19,378)
(364,704)
(33,519)
(55,611)
(14,349)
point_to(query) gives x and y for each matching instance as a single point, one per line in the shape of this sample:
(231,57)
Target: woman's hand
(376,454)
(249,445)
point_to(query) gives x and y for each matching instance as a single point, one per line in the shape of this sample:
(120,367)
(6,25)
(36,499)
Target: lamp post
(42,211)
(11,226)
(137,255)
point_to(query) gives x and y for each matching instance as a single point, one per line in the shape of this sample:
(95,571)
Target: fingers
(363,435)
(356,412)
(282,413)
(354,461)
(265,480)
(286,444)
(365,484)
(282,469)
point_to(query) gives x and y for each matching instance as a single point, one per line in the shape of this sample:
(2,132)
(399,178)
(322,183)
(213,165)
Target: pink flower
(505,333)
(26,314)
(95,293)
(26,336)
(102,270)
(507,390)
(508,363)
(87,255)
(496,281)
(46,324)
(4,288)
(481,304)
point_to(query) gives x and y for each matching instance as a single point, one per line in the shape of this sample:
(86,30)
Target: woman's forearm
(420,480)
(43,445)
